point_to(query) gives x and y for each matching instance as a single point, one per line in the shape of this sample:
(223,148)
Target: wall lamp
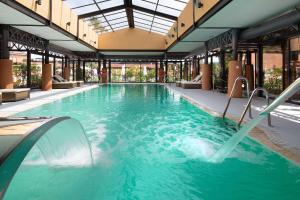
(182,24)
(84,35)
(38,2)
(199,4)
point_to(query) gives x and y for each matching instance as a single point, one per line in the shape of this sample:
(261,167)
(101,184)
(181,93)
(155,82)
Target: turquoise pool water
(150,144)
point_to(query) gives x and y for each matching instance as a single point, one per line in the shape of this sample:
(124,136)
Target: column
(249,71)
(46,72)
(234,68)
(83,71)
(28,61)
(73,69)
(206,73)
(104,73)
(260,68)
(67,69)
(6,71)
(223,68)
(156,72)
(109,72)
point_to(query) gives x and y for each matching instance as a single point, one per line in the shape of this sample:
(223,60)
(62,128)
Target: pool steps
(231,144)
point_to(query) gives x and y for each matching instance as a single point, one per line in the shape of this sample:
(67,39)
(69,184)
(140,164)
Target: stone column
(46,77)
(6,74)
(234,71)
(206,76)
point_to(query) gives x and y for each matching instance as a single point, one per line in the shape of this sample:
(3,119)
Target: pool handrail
(26,143)
(248,106)
(232,91)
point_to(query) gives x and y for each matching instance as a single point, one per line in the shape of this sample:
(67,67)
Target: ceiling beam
(129,13)
(142,9)
(99,12)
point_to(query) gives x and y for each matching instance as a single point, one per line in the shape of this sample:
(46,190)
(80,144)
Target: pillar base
(206,77)
(6,74)
(46,77)
(234,71)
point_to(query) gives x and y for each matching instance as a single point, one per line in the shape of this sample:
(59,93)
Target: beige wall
(187,18)
(61,16)
(132,39)
(207,5)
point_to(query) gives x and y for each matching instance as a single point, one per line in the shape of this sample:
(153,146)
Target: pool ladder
(248,106)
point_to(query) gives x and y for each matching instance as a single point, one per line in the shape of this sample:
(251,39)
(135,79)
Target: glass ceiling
(148,19)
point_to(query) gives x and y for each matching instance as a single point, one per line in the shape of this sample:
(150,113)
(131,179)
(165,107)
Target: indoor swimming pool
(145,142)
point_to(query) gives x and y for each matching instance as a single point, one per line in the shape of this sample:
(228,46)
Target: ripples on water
(148,143)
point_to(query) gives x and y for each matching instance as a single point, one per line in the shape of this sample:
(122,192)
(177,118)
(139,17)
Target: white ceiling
(44,32)
(204,34)
(246,13)
(9,15)
(185,46)
(71,45)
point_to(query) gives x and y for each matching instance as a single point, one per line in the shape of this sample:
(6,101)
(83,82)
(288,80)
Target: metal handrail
(231,93)
(248,106)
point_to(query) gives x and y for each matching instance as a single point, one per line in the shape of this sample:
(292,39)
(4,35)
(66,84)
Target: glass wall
(91,72)
(217,80)
(118,72)
(58,66)
(147,72)
(36,71)
(272,65)
(295,73)
(19,60)
(132,72)
(173,72)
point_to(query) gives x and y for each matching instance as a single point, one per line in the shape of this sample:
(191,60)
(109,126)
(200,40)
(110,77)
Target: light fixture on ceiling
(84,35)
(38,2)
(173,35)
(68,23)
(182,24)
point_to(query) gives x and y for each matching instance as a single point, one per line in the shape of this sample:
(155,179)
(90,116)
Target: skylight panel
(85,9)
(78,3)
(142,15)
(110,4)
(169,11)
(144,4)
(179,5)
(164,21)
(142,21)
